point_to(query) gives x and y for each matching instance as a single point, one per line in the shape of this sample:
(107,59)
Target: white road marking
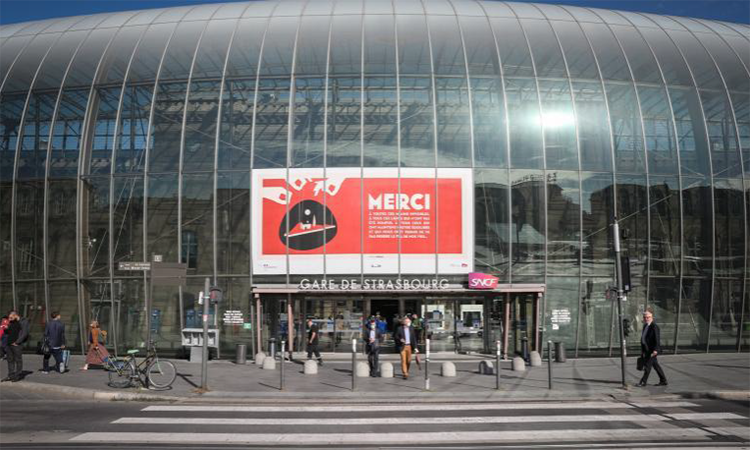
(418,407)
(704,416)
(742,432)
(398,438)
(388,420)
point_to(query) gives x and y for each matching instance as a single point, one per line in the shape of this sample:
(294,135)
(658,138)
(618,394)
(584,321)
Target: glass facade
(133,135)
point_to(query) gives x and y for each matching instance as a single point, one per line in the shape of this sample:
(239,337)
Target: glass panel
(238,101)
(27,63)
(66,135)
(447,50)
(127,218)
(632,212)
(702,66)
(638,53)
(562,299)
(663,300)
(524,123)
(11,109)
(6,210)
(279,46)
(580,60)
(470,326)
(598,209)
(166,127)
(179,55)
(101,134)
(233,223)
(672,64)
(271,123)
(95,233)
(413,46)
(593,127)
(491,222)
(131,138)
(200,126)
(379,46)
(63,298)
(490,143)
(698,231)
(453,122)
(87,59)
(236,294)
(481,54)
(147,58)
(197,223)
(563,223)
(730,236)
(30,304)
(665,226)
(726,315)
(61,229)
(627,134)
(165,316)
(527,229)
(309,122)
(344,122)
(58,60)
(741,105)
(729,64)
(312,46)
(163,217)
(558,121)
(417,122)
(130,313)
(596,327)
(548,58)
(380,128)
(725,156)
(440,316)
(661,147)
(695,311)
(35,138)
(513,48)
(608,53)
(29,214)
(691,132)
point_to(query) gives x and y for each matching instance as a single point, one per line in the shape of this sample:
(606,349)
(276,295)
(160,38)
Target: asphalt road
(32,421)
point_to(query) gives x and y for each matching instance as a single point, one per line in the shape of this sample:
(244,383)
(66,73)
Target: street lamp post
(620,298)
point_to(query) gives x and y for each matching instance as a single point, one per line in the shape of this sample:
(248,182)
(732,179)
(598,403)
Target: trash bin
(525,348)
(272,348)
(559,352)
(241,356)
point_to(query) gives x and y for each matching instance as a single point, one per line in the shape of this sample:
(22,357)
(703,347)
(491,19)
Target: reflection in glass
(417,122)
(380,127)
(103,128)
(726,315)
(663,300)
(127,218)
(96,226)
(698,226)
(233,223)
(527,229)
(308,123)
(271,123)
(694,315)
(661,146)
(197,222)
(131,140)
(166,127)
(722,140)
(559,124)
(563,223)
(729,223)
(491,222)
(524,123)
(597,208)
(632,212)
(593,127)
(691,132)
(490,145)
(627,134)
(344,122)
(163,216)
(513,48)
(665,226)
(453,122)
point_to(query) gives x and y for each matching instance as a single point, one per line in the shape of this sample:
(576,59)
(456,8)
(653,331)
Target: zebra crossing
(537,424)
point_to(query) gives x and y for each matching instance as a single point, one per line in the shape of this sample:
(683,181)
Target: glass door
(440,319)
(522,322)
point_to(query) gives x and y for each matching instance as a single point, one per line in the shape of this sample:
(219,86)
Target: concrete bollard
(363,369)
(448,369)
(269,363)
(311,367)
(386,370)
(519,365)
(259,357)
(486,368)
(535,359)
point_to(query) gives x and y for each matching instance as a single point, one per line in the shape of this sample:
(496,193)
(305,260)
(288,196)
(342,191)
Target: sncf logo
(479,280)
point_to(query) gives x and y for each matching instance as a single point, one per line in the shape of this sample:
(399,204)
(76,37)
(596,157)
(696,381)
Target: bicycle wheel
(120,373)
(161,374)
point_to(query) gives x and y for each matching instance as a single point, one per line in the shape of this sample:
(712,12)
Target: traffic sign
(127,265)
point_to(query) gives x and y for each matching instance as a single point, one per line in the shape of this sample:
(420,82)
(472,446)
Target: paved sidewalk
(703,375)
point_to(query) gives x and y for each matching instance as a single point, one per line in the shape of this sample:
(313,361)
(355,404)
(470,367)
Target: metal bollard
(281,366)
(497,366)
(549,363)
(560,352)
(354,364)
(241,354)
(427,365)
(272,347)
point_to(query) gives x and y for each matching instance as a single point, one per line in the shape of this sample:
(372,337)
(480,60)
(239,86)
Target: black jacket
(652,340)
(401,334)
(55,333)
(366,338)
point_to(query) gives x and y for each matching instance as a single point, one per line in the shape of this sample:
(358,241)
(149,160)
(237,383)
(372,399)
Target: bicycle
(151,372)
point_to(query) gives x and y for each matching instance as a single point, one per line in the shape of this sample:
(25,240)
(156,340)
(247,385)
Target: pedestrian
(313,336)
(406,342)
(372,337)
(54,333)
(3,338)
(97,353)
(18,334)
(650,349)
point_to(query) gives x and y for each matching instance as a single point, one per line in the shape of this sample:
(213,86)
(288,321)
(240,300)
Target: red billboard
(352,220)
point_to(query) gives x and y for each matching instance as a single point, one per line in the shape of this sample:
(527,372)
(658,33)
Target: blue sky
(12,11)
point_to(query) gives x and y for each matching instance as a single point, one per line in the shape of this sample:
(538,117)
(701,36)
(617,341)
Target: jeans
(313,348)
(57,353)
(15,361)
(373,357)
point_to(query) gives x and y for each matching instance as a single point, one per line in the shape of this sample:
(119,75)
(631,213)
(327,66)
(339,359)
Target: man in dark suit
(372,337)
(406,344)
(650,348)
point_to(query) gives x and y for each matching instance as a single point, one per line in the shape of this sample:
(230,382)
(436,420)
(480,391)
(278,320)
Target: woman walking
(97,353)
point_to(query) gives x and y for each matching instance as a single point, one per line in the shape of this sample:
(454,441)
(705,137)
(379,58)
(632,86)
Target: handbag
(640,363)
(43,348)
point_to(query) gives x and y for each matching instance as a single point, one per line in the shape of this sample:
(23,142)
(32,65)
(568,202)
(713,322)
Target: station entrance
(456,321)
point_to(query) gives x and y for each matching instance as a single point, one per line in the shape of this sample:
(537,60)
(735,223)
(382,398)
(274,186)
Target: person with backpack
(54,335)
(18,334)
(4,337)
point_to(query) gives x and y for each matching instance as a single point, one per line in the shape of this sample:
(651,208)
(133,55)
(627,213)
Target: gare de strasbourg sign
(478,281)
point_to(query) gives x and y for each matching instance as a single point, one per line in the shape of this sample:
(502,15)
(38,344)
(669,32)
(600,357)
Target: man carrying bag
(650,348)
(54,335)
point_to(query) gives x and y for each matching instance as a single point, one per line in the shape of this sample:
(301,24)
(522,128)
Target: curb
(92,394)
